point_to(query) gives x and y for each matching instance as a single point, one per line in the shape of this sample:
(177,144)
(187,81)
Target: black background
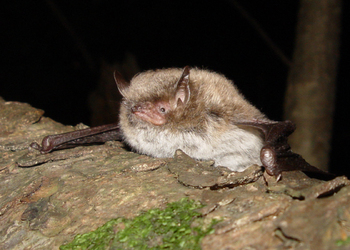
(41,64)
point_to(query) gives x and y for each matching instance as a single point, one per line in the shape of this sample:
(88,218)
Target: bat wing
(276,155)
(99,134)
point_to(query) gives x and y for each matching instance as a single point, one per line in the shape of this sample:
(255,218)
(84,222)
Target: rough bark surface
(309,99)
(45,200)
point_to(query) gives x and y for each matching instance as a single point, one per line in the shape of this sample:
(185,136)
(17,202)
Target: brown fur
(209,117)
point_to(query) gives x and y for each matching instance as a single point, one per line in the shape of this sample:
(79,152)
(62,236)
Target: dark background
(41,64)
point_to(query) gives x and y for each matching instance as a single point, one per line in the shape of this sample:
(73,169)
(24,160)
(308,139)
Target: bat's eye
(163,107)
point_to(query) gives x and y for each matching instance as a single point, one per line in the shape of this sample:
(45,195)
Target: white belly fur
(236,149)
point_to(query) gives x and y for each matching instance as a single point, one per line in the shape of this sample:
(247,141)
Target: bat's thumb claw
(279,177)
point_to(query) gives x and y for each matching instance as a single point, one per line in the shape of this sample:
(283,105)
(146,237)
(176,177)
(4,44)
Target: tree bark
(310,92)
(53,197)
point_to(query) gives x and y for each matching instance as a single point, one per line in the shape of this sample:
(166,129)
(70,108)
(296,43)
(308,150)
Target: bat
(198,111)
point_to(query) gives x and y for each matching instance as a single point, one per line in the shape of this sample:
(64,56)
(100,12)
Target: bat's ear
(122,84)
(183,92)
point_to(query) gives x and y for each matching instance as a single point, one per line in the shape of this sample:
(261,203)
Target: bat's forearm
(93,135)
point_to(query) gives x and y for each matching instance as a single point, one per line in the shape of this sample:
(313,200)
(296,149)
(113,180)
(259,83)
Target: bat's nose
(141,107)
(135,108)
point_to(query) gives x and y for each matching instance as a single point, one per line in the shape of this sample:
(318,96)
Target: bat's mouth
(149,114)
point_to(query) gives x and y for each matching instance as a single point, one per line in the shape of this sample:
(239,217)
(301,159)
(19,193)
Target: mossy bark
(45,200)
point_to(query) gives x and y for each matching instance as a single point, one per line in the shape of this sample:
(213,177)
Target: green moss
(343,242)
(178,226)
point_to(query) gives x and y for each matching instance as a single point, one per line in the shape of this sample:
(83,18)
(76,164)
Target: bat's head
(154,96)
